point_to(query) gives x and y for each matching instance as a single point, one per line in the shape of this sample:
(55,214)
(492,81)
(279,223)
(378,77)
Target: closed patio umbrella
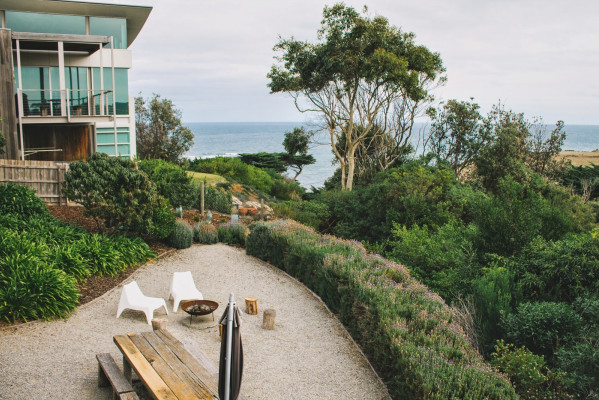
(230,369)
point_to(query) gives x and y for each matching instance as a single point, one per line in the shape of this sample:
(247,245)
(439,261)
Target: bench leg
(127,370)
(102,379)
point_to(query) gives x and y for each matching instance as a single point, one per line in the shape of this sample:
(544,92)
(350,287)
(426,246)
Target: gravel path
(308,356)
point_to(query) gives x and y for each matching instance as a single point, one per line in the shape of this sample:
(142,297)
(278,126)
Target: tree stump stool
(251,305)
(268,320)
(159,324)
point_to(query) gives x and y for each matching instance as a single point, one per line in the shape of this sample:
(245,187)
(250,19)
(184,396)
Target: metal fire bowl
(187,306)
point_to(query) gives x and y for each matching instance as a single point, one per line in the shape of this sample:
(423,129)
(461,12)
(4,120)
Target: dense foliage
(488,246)
(20,200)
(232,233)
(113,190)
(407,331)
(584,180)
(172,182)
(42,258)
(217,199)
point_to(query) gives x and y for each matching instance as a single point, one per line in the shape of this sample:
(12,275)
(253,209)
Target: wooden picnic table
(166,368)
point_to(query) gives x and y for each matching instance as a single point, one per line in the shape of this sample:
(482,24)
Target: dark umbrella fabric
(236,356)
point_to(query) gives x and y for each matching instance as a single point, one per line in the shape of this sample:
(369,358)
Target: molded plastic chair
(183,288)
(134,299)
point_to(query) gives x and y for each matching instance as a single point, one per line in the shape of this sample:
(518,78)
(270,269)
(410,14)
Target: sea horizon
(213,139)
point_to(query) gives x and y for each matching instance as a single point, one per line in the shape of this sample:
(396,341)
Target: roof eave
(136,15)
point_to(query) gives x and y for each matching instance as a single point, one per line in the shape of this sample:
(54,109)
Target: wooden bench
(109,374)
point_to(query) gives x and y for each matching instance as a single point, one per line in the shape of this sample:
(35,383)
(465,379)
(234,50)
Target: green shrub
(413,194)
(69,260)
(163,220)
(286,189)
(495,294)
(232,233)
(99,255)
(542,327)
(311,213)
(217,199)
(519,212)
(560,270)
(445,259)
(111,189)
(20,200)
(32,290)
(132,250)
(205,233)
(584,180)
(41,258)
(181,237)
(406,331)
(172,182)
(528,373)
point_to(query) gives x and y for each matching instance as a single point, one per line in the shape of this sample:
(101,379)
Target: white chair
(183,288)
(134,299)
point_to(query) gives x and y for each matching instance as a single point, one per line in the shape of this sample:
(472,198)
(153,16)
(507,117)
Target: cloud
(211,57)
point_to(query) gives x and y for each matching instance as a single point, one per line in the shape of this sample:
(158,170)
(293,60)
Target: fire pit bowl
(199,307)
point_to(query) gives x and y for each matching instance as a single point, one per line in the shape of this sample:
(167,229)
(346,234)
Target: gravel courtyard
(308,356)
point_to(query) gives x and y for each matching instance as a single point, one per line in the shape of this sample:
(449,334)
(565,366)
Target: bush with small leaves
(163,220)
(232,233)
(172,182)
(181,237)
(217,199)
(111,189)
(528,373)
(543,327)
(205,233)
(408,333)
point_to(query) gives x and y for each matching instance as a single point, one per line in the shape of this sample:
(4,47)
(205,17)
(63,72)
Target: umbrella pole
(229,345)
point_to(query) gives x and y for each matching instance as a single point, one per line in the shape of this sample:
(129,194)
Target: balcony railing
(77,102)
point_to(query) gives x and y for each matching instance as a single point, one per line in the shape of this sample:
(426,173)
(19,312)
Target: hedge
(407,331)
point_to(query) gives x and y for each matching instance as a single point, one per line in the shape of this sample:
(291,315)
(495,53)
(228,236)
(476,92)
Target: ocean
(232,138)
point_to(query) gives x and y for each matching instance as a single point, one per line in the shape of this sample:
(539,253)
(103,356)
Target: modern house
(64,78)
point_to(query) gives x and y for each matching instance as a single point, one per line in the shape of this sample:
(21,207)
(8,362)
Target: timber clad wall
(45,177)
(8,125)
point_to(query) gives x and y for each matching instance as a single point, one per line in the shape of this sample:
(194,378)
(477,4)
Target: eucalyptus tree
(362,75)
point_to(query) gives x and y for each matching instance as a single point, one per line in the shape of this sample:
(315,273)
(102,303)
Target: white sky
(210,57)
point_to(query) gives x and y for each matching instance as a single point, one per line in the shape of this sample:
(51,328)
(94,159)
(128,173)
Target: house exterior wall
(64,73)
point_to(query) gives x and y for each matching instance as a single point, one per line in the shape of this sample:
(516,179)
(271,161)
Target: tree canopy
(363,73)
(458,132)
(160,132)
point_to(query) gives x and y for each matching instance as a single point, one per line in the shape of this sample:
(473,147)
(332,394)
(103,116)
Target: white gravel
(308,356)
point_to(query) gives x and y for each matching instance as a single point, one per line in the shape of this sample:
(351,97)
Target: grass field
(578,158)
(211,179)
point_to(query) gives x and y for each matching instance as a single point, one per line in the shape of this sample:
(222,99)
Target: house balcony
(70,105)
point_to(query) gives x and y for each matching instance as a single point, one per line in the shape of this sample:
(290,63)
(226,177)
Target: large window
(45,23)
(41,94)
(121,88)
(116,27)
